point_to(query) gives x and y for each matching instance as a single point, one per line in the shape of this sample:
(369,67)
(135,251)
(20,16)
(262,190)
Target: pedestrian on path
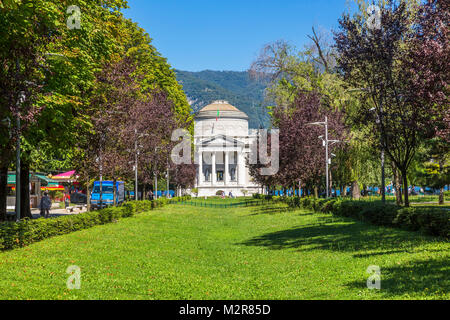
(66,200)
(45,205)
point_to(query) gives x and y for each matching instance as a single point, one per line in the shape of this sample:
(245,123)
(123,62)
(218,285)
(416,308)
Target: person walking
(45,205)
(66,200)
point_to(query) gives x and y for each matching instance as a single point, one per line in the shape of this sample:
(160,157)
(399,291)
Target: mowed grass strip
(267,252)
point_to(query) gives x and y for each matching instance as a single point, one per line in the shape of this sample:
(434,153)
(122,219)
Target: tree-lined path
(264,252)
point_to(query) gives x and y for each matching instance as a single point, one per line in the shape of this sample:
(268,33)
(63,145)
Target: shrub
(432,221)
(328,206)
(23,233)
(379,214)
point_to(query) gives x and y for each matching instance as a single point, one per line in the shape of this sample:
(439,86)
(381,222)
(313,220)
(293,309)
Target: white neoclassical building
(222,144)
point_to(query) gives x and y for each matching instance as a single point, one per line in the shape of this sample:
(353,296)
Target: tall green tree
(370,58)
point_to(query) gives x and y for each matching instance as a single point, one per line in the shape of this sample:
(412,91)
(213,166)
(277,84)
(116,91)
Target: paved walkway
(57,212)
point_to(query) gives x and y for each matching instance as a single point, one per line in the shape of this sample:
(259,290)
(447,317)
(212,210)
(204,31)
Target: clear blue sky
(197,35)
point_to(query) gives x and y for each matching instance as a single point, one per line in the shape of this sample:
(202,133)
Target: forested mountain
(236,87)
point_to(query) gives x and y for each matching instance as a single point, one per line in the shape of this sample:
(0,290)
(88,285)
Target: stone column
(240,173)
(225,177)
(200,168)
(213,173)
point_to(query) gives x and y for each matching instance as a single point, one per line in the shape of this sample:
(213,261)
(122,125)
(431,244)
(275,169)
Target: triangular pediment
(221,140)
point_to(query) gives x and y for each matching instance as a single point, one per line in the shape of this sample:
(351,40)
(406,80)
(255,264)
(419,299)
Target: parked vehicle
(107,194)
(78,198)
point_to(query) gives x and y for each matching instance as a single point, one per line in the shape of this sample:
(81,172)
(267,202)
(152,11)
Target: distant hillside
(204,87)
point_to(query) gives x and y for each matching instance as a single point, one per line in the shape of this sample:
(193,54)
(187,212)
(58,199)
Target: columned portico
(225,176)
(200,168)
(217,173)
(214,172)
(221,146)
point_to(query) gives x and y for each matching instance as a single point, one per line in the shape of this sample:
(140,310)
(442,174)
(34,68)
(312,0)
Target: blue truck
(107,194)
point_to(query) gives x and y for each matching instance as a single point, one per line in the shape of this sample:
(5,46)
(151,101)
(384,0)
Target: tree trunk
(405,187)
(397,185)
(3,191)
(441,194)
(356,192)
(316,192)
(5,160)
(88,194)
(25,210)
(345,191)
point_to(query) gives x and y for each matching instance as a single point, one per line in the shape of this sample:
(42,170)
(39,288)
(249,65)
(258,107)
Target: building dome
(225,109)
(220,105)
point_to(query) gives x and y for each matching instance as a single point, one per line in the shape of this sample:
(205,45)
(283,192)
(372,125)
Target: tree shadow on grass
(429,277)
(442,207)
(270,210)
(340,235)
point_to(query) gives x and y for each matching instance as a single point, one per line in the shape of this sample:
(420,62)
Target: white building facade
(222,144)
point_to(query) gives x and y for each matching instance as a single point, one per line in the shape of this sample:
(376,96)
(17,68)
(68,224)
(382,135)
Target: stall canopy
(51,184)
(12,178)
(46,179)
(65,177)
(53,187)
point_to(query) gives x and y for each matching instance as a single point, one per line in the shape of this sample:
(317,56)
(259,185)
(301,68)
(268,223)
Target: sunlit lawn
(184,252)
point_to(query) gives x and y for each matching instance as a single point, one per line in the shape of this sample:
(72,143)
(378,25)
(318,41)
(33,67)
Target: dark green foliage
(261,196)
(432,221)
(23,233)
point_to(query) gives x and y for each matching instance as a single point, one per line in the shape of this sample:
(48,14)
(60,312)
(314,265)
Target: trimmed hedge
(23,233)
(432,221)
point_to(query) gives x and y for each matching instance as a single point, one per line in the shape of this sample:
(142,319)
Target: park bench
(79,207)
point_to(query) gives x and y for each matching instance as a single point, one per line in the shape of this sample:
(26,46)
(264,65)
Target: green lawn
(184,252)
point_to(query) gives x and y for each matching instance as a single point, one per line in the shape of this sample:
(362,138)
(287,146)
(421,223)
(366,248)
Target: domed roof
(220,105)
(226,110)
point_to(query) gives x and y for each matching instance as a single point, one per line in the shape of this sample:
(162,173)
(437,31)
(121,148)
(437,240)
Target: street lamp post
(18,170)
(383,173)
(136,170)
(18,124)
(156,177)
(379,121)
(99,160)
(18,183)
(136,158)
(101,181)
(326,144)
(156,186)
(167,176)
